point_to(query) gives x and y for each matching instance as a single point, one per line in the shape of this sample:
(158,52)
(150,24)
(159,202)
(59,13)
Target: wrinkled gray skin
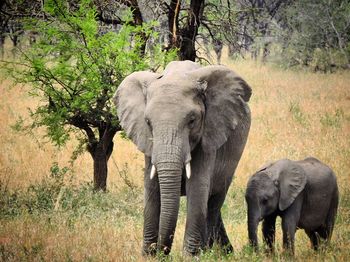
(187,115)
(303,193)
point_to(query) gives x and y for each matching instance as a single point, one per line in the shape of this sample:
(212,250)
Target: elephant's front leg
(196,224)
(151,211)
(288,228)
(290,219)
(269,229)
(197,191)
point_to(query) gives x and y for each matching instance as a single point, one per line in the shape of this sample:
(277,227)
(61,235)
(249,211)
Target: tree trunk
(188,35)
(184,39)
(231,51)
(173,23)
(138,21)
(101,152)
(266,52)
(100,168)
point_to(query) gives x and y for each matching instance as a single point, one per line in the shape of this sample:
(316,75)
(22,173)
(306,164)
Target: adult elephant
(192,123)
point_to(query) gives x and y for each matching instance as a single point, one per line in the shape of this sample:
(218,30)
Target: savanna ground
(48,213)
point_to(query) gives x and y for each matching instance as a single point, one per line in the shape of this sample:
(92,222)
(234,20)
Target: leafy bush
(315,34)
(332,120)
(57,193)
(297,114)
(74,69)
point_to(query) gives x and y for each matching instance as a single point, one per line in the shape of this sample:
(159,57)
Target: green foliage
(82,209)
(297,114)
(316,34)
(219,24)
(332,120)
(75,67)
(58,193)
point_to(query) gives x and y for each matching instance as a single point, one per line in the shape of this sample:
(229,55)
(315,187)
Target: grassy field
(48,213)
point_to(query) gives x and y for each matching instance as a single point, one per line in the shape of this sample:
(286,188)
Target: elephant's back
(319,175)
(319,191)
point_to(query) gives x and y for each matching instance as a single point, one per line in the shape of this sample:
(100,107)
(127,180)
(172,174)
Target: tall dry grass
(25,159)
(294,115)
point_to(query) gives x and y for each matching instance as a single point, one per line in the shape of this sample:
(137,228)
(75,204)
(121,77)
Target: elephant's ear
(292,181)
(226,95)
(130,100)
(265,166)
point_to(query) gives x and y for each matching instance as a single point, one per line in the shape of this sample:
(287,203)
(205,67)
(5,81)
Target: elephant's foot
(227,249)
(269,250)
(225,245)
(194,252)
(193,248)
(223,240)
(149,249)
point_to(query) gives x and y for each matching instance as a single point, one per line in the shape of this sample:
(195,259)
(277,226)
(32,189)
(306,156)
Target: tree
(317,34)
(74,68)
(219,26)
(257,23)
(183,22)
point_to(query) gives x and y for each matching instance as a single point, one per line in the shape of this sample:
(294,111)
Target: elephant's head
(272,188)
(168,115)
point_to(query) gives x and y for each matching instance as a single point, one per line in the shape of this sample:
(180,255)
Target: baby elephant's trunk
(253,222)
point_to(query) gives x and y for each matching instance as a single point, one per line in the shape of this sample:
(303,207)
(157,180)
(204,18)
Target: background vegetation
(74,57)
(74,54)
(48,212)
(74,66)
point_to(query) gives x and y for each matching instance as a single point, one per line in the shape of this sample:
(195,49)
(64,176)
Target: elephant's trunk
(170,190)
(253,222)
(169,163)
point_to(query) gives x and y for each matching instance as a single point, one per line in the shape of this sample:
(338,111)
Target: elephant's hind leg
(314,238)
(327,230)
(320,235)
(223,239)
(216,229)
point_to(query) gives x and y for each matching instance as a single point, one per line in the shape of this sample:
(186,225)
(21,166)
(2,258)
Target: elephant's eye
(264,201)
(191,122)
(148,122)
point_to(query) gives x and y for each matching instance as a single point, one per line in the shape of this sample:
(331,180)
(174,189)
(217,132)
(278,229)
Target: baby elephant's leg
(288,228)
(269,229)
(290,220)
(313,238)
(325,232)
(327,229)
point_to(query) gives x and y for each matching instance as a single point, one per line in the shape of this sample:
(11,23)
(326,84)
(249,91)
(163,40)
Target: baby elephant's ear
(265,166)
(292,181)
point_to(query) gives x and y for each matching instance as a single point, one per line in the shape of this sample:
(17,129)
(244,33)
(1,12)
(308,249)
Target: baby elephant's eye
(264,201)
(148,122)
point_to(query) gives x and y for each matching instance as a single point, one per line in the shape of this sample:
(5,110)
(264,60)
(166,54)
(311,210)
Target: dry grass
(295,114)
(25,159)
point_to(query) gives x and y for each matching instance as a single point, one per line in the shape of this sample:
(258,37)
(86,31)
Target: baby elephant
(303,193)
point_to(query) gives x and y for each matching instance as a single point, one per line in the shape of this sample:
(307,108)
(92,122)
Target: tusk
(188,170)
(153,172)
